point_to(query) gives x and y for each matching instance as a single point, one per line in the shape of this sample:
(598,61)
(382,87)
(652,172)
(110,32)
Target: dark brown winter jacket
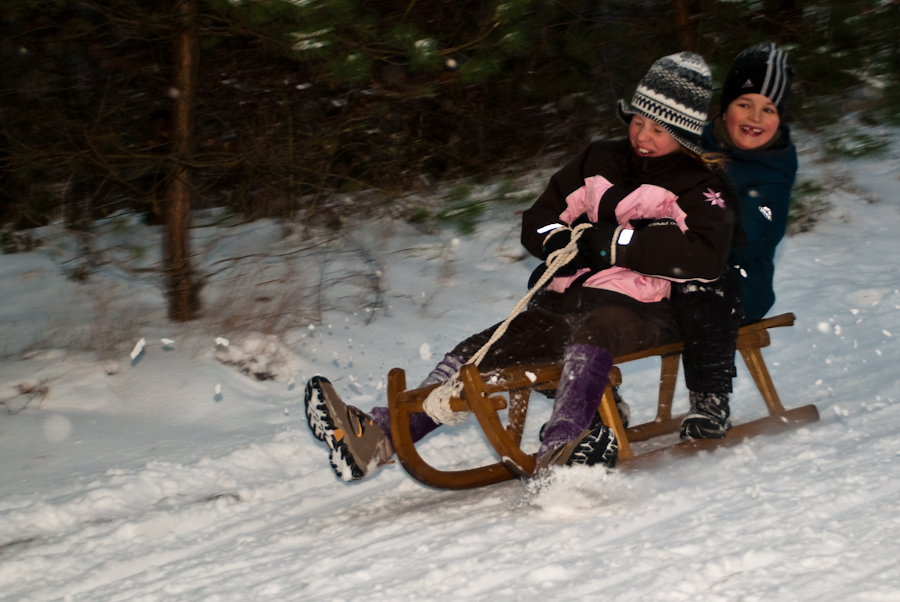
(657,249)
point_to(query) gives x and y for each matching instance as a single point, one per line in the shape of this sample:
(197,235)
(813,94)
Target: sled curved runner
(482,396)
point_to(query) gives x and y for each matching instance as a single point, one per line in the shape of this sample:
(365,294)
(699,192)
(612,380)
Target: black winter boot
(708,418)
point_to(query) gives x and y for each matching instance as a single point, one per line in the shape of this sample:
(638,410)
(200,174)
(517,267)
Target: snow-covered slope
(176,477)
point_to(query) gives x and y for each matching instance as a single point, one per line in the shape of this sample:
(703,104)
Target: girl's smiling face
(649,139)
(751,121)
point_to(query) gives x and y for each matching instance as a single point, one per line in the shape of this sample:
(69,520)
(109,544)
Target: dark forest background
(271,107)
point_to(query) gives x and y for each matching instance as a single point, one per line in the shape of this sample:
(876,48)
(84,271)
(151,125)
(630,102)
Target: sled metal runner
(482,395)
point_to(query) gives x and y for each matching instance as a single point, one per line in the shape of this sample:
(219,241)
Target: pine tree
(283,102)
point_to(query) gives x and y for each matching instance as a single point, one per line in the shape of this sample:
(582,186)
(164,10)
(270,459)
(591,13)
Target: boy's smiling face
(751,121)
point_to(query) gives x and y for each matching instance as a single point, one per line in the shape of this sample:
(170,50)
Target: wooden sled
(482,396)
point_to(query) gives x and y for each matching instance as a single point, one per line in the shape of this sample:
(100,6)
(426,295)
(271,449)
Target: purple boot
(568,438)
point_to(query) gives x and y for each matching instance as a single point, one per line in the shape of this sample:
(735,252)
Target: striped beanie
(761,69)
(675,93)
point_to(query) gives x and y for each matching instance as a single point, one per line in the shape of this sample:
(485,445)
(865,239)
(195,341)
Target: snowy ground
(173,476)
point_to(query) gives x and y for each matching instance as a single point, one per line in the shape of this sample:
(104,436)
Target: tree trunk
(182,290)
(686,34)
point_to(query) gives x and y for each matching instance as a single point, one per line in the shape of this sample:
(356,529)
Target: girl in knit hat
(761,164)
(655,211)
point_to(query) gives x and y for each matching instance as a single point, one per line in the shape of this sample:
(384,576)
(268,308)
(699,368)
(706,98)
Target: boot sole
(320,417)
(598,447)
(317,414)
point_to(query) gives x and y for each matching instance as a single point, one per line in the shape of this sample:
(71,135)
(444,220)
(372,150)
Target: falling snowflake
(138,348)
(714,198)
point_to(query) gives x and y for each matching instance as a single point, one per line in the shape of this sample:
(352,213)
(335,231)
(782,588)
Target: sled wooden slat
(768,425)
(481,396)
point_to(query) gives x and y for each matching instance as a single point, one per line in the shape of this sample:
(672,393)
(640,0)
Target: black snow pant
(597,317)
(709,315)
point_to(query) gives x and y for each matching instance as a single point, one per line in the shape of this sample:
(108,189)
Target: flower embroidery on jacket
(714,198)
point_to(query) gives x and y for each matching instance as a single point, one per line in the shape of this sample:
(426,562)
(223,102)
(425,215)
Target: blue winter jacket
(763,180)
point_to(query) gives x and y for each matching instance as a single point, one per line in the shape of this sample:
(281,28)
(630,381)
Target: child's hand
(595,245)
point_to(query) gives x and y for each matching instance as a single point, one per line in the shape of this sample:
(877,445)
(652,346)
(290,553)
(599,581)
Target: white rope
(437,404)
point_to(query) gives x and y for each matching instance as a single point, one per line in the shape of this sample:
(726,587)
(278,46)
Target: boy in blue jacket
(761,165)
